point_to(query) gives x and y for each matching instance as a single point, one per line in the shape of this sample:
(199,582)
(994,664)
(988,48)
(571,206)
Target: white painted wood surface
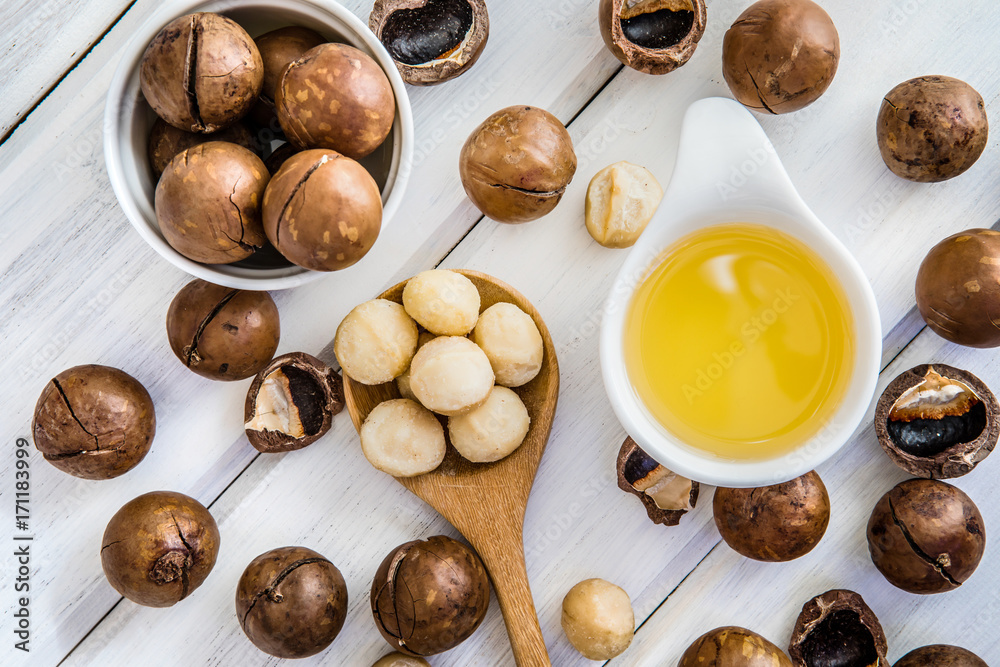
(80,287)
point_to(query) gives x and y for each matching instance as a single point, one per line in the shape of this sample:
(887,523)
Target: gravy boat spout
(728,172)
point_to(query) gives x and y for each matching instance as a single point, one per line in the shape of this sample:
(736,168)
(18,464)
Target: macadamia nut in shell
(444,302)
(512,343)
(375,342)
(402,438)
(493,430)
(451,375)
(621,200)
(598,619)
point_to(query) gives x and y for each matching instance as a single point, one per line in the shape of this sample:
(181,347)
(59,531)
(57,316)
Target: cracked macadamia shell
(780,55)
(222,333)
(493,430)
(516,165)
(291,403)
(451,375)
(926,536)
(444,302)
(158,548)
(94,422)
(376,341)
(598,620)
(201,73)
(652,36)
(431,41)
(208,202)
(322,211)
(429,596)
(731,647)
(931,128)
(403,438)
(666,495)
(512,343)
(940,655)
(621,200)
(774,523)
(335,97)
(958,287)
(837,629)
(166,141)
(937,421)
(291,602)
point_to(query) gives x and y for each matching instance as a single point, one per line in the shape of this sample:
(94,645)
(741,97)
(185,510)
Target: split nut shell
(652,36)
(838,628)
(666,495)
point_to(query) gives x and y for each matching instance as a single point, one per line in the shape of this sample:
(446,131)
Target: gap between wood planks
(20,120)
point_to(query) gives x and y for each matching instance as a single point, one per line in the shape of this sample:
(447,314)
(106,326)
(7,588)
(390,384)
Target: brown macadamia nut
(375,342)
(621,200)
(280,47)
(208,203)
(940,655)
(201,73)
(493,430)
(444,302)
(403,381)
(512,343)
(598,620)
(94,422)
(451,375)
(780,55)
(158,548)
(322,211)
(222,333)
(335,97)
(166,141)
(400,660)
(516,165)
(291,602)
(402,438)
(733,646)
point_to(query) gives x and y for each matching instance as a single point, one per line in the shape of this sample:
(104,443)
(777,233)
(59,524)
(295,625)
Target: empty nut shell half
(652,36)
(940,655)
(431,41)
(291,403)
(838,628)
(937,421)
(666,495)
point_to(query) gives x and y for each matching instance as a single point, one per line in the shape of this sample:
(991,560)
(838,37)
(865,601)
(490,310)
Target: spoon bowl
(486,501)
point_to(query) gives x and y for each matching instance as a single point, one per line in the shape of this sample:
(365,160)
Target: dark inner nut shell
(732,646)
(774,523)
(280,47)
(516,165)
(322,211)
(223,333)
(931,128)
(429,596)
(166,141)
(780,55)
(312,392)
(652,36)
(926,536)
(958,288)
(94,422)
(937,421)
(940,655)
(158,548)
(666,496)
(201,73)
(208,203)
(291,602)
(838,629)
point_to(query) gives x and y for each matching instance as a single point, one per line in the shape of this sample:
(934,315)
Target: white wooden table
(79,286)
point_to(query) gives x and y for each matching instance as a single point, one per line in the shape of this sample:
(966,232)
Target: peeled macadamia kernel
(451,375)
(621,200)
(400,660)
(444,302)
(403,381)
(512,343)
(598,620)
(375,342)
(493,430)
(402,438)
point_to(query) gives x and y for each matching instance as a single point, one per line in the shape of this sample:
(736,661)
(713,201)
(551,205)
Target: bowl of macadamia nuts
(219,113)
(449,368)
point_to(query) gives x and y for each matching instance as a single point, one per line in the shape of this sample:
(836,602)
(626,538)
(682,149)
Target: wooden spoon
(486,501)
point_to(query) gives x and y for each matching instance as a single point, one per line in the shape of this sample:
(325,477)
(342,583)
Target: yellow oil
(740,341)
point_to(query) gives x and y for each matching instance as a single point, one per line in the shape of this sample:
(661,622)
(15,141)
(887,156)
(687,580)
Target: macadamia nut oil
(739,341)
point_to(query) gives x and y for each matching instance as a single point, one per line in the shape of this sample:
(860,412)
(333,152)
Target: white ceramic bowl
(727,171)
(128,119)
